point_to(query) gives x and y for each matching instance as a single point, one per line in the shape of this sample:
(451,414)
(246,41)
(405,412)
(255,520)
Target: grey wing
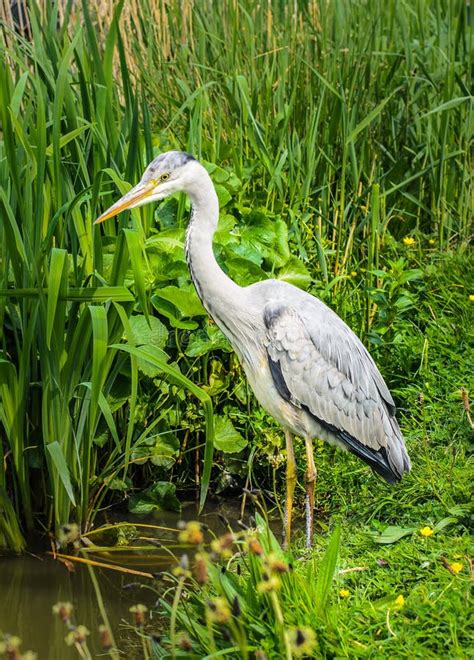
(318,363)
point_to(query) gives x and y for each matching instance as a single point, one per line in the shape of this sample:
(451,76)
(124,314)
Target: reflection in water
(30,585)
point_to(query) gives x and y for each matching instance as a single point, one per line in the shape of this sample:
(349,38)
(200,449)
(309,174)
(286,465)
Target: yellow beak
(128,201)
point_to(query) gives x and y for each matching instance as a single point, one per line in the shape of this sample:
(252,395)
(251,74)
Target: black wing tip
(377,459)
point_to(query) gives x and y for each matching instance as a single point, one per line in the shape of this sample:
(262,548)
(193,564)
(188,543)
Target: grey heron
(305,365)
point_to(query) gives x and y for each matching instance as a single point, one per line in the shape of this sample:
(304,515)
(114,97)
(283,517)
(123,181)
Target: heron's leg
(290,485)
(310,486)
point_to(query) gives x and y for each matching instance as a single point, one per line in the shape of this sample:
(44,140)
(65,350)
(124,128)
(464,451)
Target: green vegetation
(339,137)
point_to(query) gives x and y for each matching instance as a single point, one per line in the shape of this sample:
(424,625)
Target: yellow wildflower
(471,297)
(353,273)
(191,534)
(302,641)
(431,241)
(409,240)
(268,583)
(456,567)
(400,601)
(426,531)
(218,611)
(344,593)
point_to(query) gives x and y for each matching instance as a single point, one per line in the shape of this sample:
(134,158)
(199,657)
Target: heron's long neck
(221,297)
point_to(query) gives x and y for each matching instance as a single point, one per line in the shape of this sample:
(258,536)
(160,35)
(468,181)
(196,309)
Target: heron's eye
(164,177)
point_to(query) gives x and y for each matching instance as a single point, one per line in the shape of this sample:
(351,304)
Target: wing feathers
(318,364)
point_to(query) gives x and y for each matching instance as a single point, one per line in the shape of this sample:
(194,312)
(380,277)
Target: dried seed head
(200,567)
(184,642)
(273,563)
(64,611)
(105,638)
(254,547)
(77,636)
(222,546)
(139,614)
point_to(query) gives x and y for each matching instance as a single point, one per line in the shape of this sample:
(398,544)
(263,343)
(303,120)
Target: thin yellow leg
(290,485)
(310,486)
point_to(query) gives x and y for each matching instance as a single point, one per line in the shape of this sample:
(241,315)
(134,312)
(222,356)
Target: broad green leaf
(392,534)
(223,195)
(169,311)
(227,438)
(152,334)
(161,450)
(204,341)
(160,496)
(185,300)
(295,272)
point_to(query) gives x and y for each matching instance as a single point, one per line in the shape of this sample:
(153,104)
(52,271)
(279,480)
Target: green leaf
(205,341)
(326,571)
(160,450)
(136,257)
(57,456)
(154,334)
(295,272)
(56,275)
(227,438)
(368,119)
(452,103)
(185,300)
(119,484)
(160,496)
(223,195)
(392,534)
(169,311)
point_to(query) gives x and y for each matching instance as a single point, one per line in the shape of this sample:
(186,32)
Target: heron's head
(169,173)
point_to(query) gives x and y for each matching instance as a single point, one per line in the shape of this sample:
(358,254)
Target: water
(30,585)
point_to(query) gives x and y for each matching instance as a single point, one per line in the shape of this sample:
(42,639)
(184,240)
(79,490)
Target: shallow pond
(30,585)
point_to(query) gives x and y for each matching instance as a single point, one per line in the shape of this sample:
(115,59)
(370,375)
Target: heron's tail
(391,462)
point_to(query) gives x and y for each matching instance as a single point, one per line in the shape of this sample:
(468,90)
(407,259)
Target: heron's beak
(135,197)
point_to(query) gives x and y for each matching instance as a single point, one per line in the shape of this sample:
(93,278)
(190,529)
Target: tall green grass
(314,103)
(67,129)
